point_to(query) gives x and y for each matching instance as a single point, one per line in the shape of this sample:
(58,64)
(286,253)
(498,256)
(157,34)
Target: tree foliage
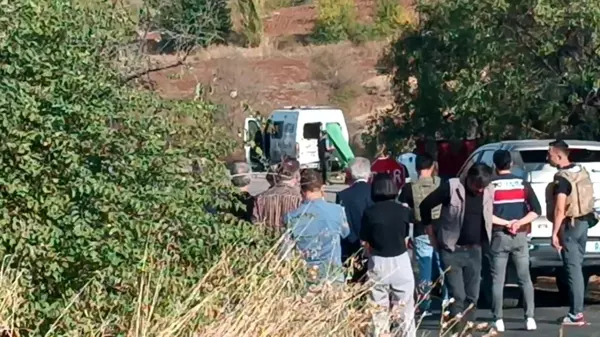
(503,69)
(91,171)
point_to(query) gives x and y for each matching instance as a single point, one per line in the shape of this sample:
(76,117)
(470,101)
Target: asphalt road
(548,308)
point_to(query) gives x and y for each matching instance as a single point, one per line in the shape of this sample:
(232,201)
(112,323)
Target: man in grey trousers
(515,207)
(571,210)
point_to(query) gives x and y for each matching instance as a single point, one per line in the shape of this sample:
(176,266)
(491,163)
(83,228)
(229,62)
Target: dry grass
(265,298)
(339,74)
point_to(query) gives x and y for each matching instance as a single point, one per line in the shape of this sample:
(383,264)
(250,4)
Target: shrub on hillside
(390,16)
(338,73)
(336,21)
(251,24)
(91,171)
(189,23)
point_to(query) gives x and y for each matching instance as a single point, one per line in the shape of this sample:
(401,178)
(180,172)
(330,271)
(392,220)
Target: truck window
(276,130)
(311,131)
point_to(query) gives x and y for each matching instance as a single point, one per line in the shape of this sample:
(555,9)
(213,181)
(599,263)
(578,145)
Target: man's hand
(556,243)
(513,227)
(409,243)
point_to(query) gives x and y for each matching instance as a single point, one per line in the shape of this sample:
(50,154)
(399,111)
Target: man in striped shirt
(515,207)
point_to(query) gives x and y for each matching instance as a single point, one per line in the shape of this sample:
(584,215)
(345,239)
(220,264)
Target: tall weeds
(250,21)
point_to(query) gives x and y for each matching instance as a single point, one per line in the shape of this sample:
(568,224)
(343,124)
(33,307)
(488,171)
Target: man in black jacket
(355,200)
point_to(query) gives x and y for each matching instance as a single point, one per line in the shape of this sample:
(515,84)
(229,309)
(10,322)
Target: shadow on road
(544,298)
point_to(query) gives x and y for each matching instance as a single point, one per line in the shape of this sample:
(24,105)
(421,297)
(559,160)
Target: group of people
(455,223)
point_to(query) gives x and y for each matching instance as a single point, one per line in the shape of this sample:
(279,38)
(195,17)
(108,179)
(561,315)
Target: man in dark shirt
(515,207)
(572,213)
(428,260)
(355,200)
(465,224)
(324,148)
(241,178)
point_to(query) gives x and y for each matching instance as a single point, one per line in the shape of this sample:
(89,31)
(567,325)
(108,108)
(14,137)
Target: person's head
(360,168)
(288,171)
(502,160)
(478,178)
(382,151)
(384,187)
(558,153)
(241,175)
(425,165)
(311,184)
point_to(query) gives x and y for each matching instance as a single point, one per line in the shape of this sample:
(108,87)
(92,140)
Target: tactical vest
(421,189)
(581,200)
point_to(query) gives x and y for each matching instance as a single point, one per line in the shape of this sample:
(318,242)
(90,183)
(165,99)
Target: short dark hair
(310,180)
(424,161)
(480,175)
(502,159)
(288,169)
(560,145)
(383,187)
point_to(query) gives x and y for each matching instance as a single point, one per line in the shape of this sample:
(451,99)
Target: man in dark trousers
(515,207)
(324,149)
(463,229)
(355,200)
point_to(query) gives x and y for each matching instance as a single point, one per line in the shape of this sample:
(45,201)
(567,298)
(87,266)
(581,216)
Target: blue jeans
(430,269)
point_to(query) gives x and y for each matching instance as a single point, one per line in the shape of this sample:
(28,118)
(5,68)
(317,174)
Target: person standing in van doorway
(570,208)
(428,260)
(324,149)
(386,164)
(463,229)
(515,207)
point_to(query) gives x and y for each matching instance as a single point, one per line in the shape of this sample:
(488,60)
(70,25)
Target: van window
(534,159)
(276,130)
(311,131)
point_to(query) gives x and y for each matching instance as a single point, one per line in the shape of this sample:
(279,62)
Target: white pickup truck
(529,158)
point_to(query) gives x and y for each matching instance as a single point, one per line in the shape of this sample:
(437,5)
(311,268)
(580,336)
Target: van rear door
(308,144)
(253,141)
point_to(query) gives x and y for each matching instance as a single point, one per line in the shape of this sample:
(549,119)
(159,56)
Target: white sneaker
(499,325)
(530,324)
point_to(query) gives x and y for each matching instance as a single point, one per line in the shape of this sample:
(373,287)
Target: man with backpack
(570,201)
(427,259)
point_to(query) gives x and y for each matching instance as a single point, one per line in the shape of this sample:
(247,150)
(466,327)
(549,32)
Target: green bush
(91,171)
(189,23)
(389,17)
(336,21)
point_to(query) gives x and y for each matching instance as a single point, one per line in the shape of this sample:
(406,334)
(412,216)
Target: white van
(291,132)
